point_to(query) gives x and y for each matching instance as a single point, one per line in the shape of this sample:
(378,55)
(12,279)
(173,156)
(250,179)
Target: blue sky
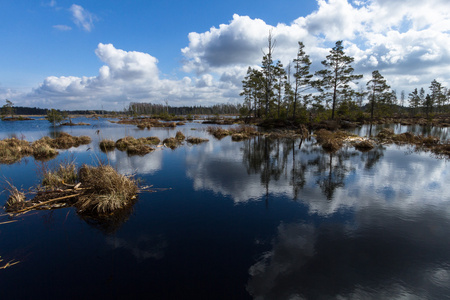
(89,54)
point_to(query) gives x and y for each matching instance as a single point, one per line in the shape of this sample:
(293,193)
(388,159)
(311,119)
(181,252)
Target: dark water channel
(258,219)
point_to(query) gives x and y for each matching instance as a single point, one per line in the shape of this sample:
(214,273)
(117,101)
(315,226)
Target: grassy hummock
(180,136)
(196,140)
(107,145)
(239,133)
(171,143)
(330,141)
(13,149)
(135,146)
(107,189)
(92,190)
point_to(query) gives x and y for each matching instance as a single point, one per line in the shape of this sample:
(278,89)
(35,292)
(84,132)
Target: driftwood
(44,203)
(8,264)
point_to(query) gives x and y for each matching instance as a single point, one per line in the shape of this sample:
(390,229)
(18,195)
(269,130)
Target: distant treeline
(136,108)
(21,110)
(158,109)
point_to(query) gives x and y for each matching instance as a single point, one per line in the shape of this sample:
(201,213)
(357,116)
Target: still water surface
(258,219)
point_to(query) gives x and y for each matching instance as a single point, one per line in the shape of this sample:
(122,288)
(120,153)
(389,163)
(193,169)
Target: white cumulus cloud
(409,43)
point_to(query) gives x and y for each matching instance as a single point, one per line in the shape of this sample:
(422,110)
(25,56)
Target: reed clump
(42,150)
(242,132)
(238,133)
(92,190)
(66,141)
(107,189)
(196,140)
(151,140)
(217,132)
(107,145)
(331,141)
(139,149)
(65,173)
(135,146)
(171,143)
(364,145)
(148,123)
(16,198)
(385,134)
(180,136)
(13,149)
(123,143)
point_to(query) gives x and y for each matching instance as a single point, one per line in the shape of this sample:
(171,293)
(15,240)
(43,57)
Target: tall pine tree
(302,76)
(337,75)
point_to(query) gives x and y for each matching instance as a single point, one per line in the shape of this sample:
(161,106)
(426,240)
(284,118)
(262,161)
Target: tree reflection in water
(273,158)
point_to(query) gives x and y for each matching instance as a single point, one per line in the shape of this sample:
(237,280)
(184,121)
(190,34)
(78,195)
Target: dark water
(261,219)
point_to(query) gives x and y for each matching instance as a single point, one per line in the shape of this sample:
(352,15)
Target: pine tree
(414,100)
(268,72)
(253,90)
(7,109)
(337,74)
(280,81)
(302,76)
(378,90)
(437,94)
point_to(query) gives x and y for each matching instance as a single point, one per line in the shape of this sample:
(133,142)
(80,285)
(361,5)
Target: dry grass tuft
(365,145)
(42,150)
(136,146)
(107,145)
(236,137)
(139,149)
(16,198)
(331,141)
(108,189)
(171,142)
(66,173)
(84,140)
(244,129)
(95,191)
(217,132)
(384,134)
(13,149)
(152,140)
(180,136)
(196,140)
(123,143)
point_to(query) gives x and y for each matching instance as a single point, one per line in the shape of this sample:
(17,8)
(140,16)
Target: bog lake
(262,218)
